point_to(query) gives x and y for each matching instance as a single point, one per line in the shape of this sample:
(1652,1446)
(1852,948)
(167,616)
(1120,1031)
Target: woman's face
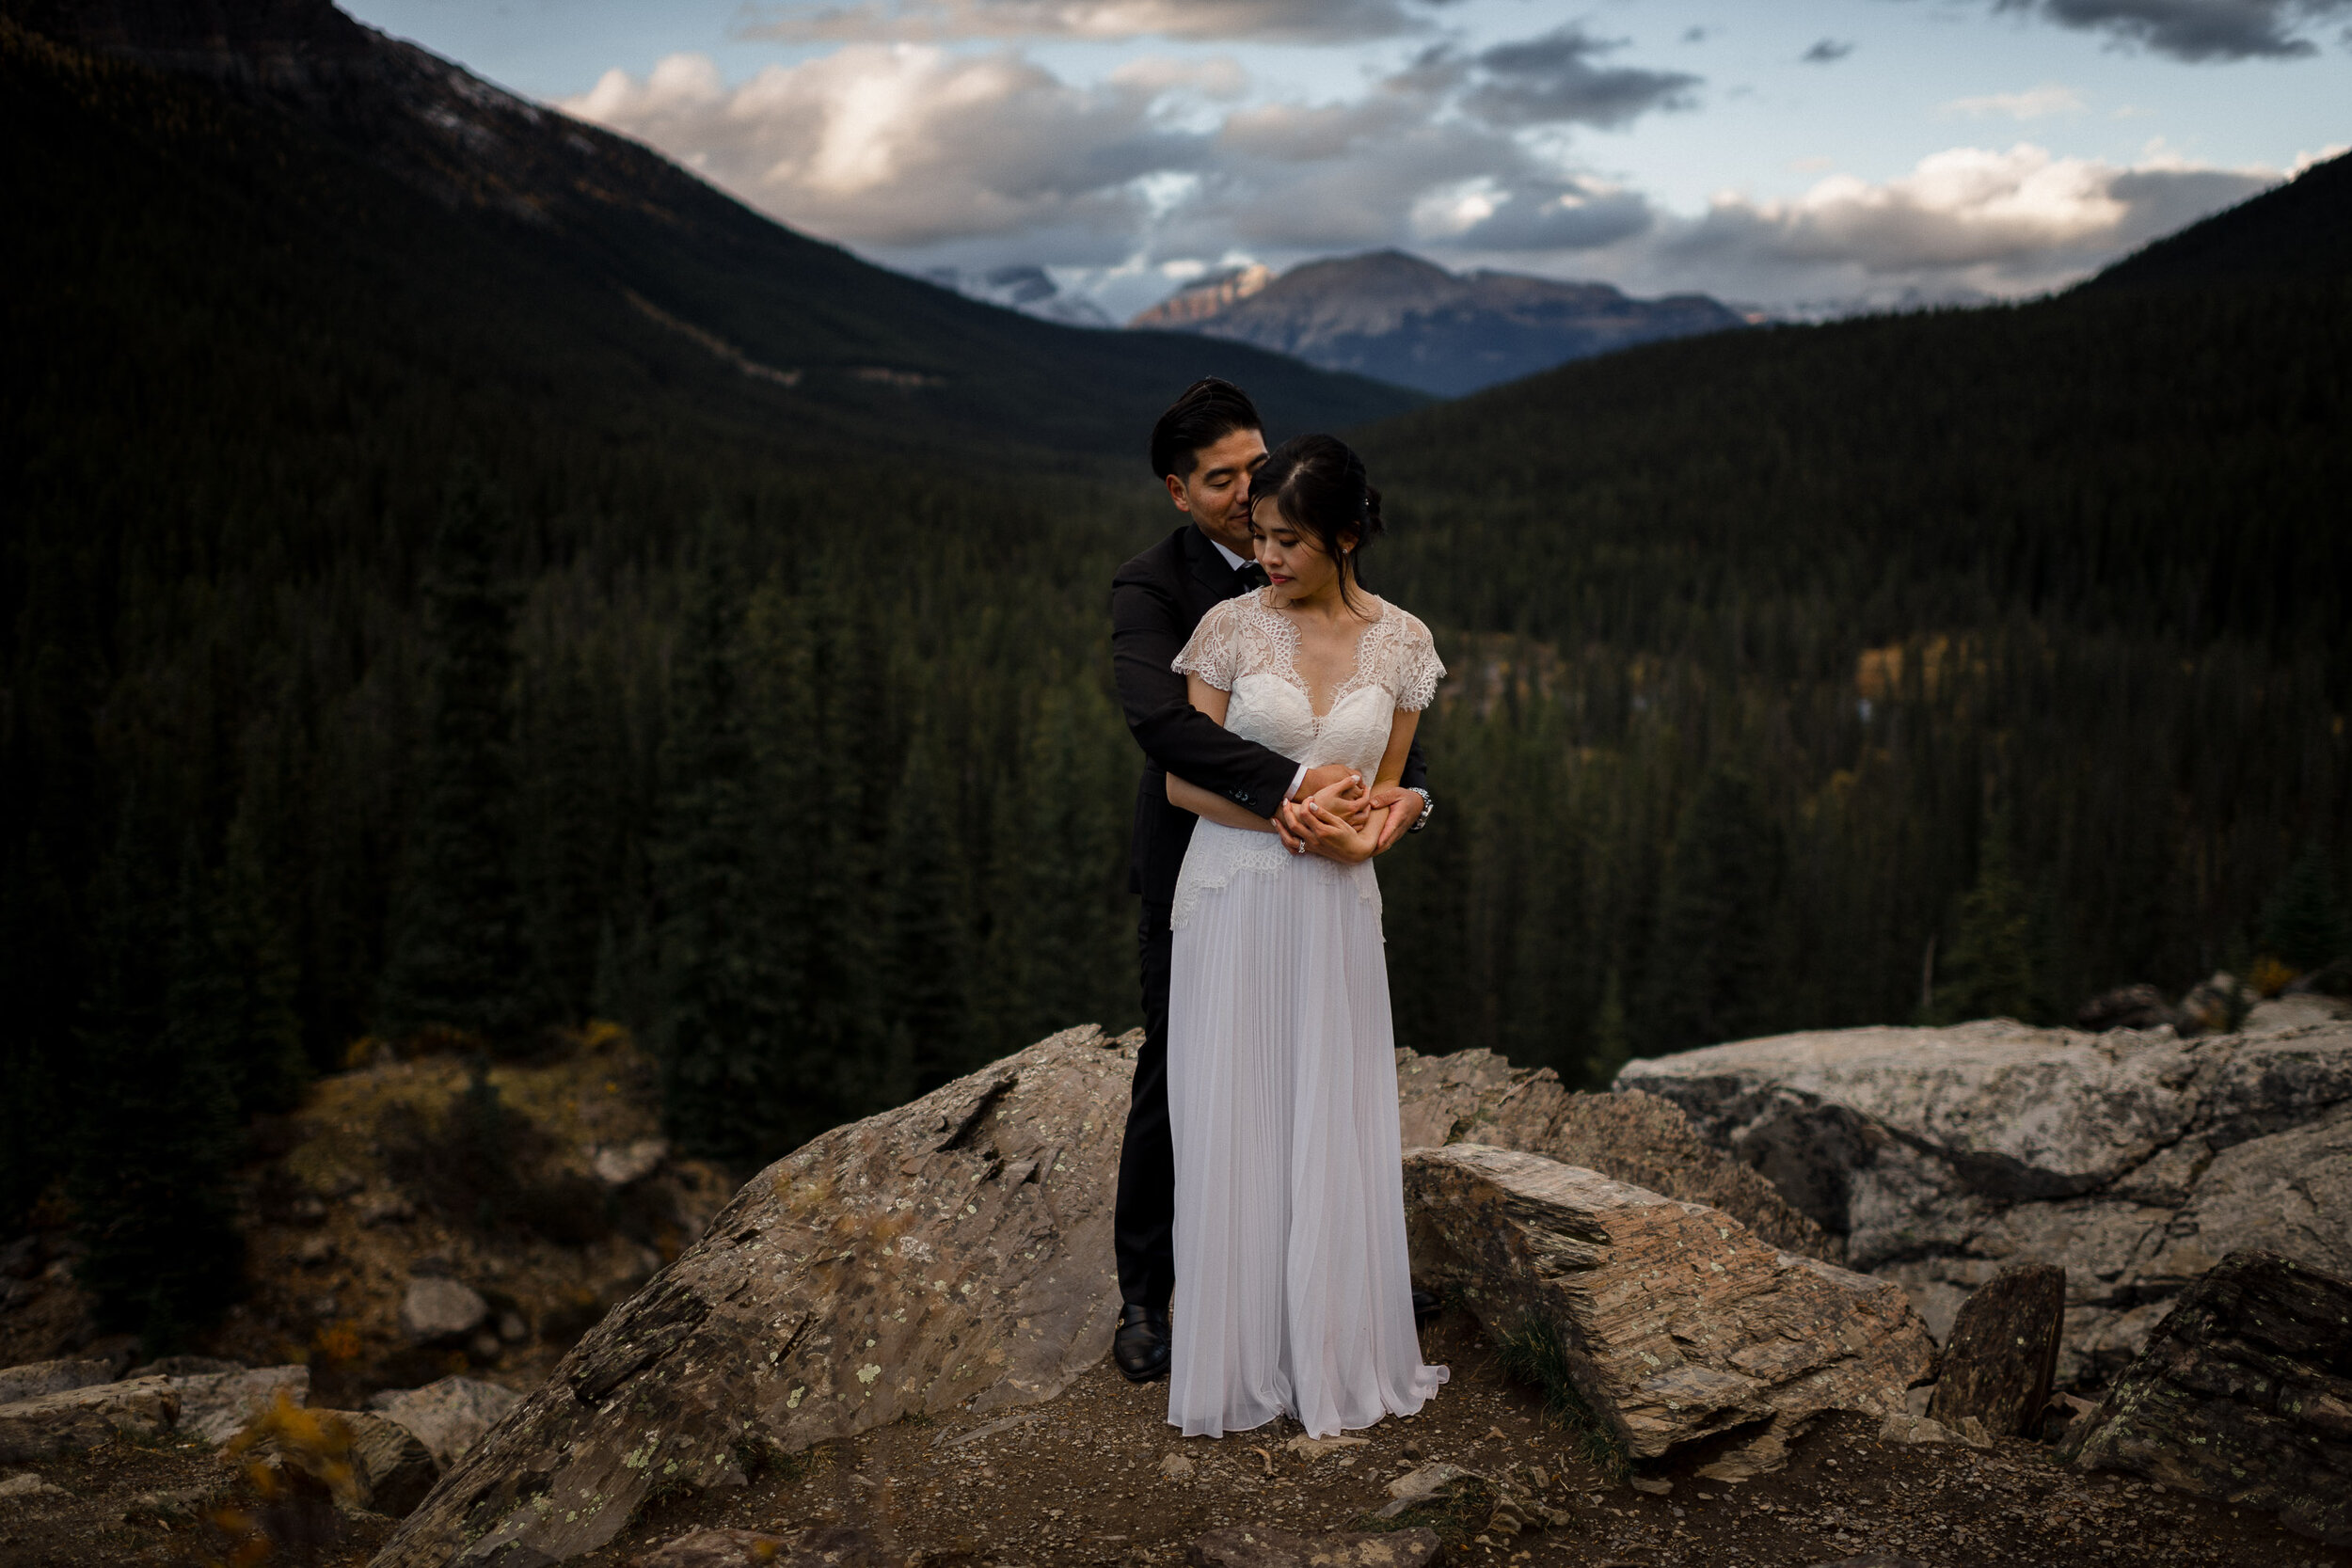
(1298,569)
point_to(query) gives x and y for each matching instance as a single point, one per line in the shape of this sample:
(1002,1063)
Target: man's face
(1216,492)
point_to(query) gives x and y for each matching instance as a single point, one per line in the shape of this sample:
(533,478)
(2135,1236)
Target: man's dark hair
(1210,410)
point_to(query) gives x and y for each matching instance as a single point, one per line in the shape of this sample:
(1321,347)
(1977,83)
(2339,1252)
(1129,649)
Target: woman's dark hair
(1209,411)
(1319,483)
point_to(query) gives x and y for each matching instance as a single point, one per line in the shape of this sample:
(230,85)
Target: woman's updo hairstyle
(1319,483)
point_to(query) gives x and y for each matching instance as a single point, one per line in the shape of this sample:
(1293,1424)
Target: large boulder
(1478,1096)
(56,1424)
(1676,1323)
(2130,1158)
(952,1253)
(2243,1394)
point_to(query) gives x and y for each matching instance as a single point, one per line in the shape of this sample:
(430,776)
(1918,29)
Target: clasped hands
(1337,815)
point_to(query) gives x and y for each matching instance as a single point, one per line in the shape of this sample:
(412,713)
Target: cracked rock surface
(1677,1323)
(2133,1158)
(952,1253)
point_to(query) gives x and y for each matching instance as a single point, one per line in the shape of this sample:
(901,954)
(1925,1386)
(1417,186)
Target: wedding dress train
(1292,1289)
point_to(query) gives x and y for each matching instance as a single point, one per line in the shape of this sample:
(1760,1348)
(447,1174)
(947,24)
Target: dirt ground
(1078,1481)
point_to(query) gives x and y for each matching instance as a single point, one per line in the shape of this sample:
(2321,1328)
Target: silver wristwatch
(1427,805)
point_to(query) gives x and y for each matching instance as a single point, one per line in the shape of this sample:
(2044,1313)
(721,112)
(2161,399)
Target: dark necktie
(1247,575)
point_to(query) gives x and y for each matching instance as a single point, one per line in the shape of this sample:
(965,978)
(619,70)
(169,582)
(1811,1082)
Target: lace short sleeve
(1418,669)
(1215,652)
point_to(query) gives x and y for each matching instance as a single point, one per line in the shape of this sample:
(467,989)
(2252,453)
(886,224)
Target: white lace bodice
(1247,647)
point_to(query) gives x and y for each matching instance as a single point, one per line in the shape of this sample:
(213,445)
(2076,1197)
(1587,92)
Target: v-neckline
(1288,640)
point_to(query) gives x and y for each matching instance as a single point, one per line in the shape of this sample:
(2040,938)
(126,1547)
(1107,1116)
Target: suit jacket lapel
(1208,567)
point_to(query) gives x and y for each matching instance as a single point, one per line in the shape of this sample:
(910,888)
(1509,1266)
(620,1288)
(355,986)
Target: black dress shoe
(1140,1346)
(1426,1304)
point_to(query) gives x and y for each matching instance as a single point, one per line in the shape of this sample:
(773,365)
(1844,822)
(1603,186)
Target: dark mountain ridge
(639,235)
(2298,231)
(1402,319)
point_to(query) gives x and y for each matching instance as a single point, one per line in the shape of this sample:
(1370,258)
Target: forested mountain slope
(352,530)
(1796,635)
(2299,231)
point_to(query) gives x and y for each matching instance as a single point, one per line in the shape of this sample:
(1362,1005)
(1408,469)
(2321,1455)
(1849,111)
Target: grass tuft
(1536,1354)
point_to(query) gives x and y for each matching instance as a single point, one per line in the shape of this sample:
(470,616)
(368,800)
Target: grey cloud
(1571,218)
(1553,80)
(1826,51)
(937,21)
(1966,224)
(2196,30)
(927,155)
(972,146)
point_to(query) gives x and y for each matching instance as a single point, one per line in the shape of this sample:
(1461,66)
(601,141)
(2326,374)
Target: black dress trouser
(1144,1223)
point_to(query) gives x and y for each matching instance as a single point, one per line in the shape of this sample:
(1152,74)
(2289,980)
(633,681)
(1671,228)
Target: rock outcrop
(1478,1096)
(36,1378)
(1675,1322)
(955,1252)
(2243,1394)
(2132,1160)
(77,1419)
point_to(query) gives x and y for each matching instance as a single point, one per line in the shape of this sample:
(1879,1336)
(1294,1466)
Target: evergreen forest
(411,645)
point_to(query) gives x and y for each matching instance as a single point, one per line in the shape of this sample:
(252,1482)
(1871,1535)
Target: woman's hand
(1337,836)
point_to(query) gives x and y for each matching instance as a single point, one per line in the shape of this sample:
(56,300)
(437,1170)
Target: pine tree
(925,951)
(567,829)
(162,1254)
(457,956)
(1612,1045)
(720,1037)
(829,743)
(1990,972)
(1073,856)
(1710,967)
(257,1035)
(2303,922)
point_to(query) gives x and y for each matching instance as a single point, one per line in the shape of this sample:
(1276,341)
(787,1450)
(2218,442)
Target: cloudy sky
(1800,156)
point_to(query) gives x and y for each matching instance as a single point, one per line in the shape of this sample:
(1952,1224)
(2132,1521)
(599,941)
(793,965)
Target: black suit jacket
(1157,599)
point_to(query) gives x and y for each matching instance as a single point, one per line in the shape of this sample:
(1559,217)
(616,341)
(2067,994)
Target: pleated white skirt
(1294,1293)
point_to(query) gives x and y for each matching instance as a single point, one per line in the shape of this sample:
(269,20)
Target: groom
(1203,450)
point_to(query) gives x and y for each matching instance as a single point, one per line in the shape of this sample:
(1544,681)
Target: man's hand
(1320,778)
(1403,809)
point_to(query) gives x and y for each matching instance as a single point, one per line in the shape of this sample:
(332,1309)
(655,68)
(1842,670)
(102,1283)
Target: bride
(1293,1292)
